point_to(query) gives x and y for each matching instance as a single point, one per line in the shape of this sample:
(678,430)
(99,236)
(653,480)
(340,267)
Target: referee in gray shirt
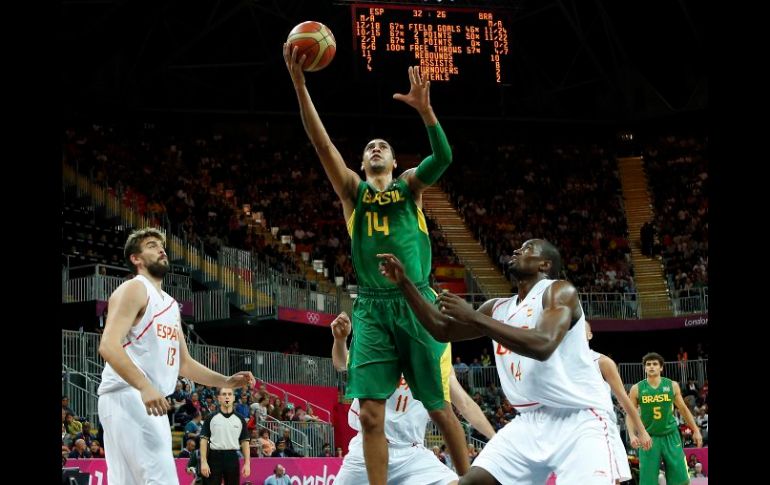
(223,432)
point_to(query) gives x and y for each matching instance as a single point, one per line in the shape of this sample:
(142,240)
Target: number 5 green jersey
(388,222)
(657,406)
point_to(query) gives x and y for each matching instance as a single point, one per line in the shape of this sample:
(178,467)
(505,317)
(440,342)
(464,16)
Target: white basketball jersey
(152,344)
(568,379)
(596,356)
(405,417)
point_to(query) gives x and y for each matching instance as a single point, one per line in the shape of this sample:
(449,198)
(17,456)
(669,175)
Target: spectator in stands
(189,387)
(242,408)
(704,391)
(700,352)
(212,408)
(278,409)
(72,425)
(293,348)
(266,444)
(288,413)
(188,450)
(66,438)
(281,451)
(80,450)
(486,359)
(300,415)
(326,451)
(475,373)
(646,236)
(185,412)
(263,393)
(338,452)
(480,401)
(193,467)
(698,471)
(687,441)
(289,442)
(255,449)
(86,434)
(259,409)
(278,477)
(96,449)
(195,402)
(493,395)
(690,393)
(461,371)
(310,415)
(681,357)
(65,405)
(179,396)
(447,457)
(192,430)
(206,395)
(437,451)
(692,459)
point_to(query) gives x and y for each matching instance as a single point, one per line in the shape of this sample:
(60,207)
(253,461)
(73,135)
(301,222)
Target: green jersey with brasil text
(657,406)
(388,222)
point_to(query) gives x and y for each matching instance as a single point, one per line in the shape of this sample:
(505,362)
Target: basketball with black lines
(315,41)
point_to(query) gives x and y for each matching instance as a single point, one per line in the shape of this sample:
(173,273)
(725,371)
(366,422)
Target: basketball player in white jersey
(405,422)
(144,350)
(614,384)
(545,367)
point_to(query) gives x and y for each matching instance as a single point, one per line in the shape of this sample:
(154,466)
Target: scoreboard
(447,43)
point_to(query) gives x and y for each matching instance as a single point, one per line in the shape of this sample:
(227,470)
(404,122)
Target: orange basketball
(314,40)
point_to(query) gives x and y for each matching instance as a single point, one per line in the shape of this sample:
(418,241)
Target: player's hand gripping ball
(316,42)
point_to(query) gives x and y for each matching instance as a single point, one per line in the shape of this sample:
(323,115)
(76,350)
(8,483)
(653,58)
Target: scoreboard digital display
(448,43)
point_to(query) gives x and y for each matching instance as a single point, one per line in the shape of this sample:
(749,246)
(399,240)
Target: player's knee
(477,476)
(372,418)
(443,415)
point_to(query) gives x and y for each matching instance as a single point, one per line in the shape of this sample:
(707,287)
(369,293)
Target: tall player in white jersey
(144,350)
(613,384)
(545,367)
(405,422)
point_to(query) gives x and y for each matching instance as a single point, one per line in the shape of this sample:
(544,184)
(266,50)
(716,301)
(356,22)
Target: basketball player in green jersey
(384,215)
(656,397)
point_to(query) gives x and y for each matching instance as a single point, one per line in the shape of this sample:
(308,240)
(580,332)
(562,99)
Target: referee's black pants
(223,464)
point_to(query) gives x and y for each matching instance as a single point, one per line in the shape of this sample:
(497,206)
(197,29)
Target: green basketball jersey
(388,222)
(657,406)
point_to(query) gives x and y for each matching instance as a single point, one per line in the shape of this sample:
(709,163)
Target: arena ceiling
(574,59)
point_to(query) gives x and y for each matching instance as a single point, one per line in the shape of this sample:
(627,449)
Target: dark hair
(653,356)
(549,252)
(134,241)
(392,151)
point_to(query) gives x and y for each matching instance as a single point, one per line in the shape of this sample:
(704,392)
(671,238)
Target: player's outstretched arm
(126,304)
(633,431)
(560,310)
(344,181)
(197,372)
(341,328)
(612,376)
(687,415)
(441,327)
(468,407)
(434,165)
